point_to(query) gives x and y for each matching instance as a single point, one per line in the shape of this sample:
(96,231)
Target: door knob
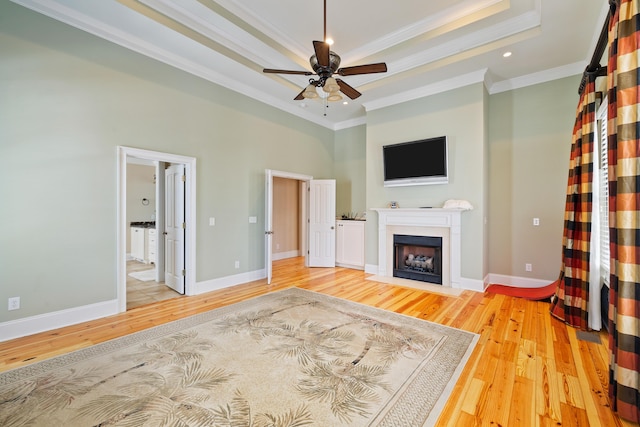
(164,232)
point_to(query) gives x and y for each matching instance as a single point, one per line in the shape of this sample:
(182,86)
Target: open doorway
(147,225)
(289,239)
(317,219)
(144,251)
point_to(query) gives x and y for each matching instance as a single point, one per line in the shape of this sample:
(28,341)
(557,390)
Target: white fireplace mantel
(421,221)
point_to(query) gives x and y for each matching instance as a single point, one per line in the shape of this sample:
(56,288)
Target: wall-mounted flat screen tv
(419,162)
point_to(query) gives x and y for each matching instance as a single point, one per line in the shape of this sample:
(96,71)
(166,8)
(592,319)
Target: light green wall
(350,165)
(530,140)
(67,100)
(458,114)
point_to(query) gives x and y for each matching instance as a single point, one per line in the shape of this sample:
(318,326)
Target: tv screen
(416,163)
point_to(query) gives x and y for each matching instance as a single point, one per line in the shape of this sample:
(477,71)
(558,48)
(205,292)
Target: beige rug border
(436,289)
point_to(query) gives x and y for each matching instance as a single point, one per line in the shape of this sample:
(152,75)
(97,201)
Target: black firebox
(418,258)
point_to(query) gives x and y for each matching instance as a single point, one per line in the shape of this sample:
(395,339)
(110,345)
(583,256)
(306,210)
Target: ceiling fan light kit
(325,64)
(330,85)
(310,92)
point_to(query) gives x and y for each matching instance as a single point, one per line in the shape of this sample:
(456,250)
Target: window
(601,181)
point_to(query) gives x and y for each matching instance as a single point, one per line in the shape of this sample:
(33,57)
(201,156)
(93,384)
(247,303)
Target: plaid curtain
(623,70)
(570,302)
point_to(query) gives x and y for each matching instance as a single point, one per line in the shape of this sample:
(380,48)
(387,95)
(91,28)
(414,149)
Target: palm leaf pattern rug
(288,358)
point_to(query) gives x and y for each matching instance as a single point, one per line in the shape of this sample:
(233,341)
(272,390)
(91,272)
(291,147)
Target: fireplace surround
(431,222)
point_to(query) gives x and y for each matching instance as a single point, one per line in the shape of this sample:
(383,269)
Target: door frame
(121,221)
(304,200)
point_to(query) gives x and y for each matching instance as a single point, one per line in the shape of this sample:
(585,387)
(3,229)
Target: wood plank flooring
(527,369)
(144,292)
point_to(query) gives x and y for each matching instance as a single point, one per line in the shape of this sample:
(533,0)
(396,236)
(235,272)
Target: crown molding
(511,27)
(518,24)
(539,77)
(424,26)
(428,90)
(131,42)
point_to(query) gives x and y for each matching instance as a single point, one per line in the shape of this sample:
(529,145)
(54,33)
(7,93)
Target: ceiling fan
(325,63)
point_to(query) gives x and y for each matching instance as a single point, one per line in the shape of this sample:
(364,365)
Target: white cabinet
(151,245)
(144,244)
(350,244)
(138,241)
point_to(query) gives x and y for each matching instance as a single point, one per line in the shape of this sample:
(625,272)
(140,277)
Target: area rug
(288,358)
(144,276)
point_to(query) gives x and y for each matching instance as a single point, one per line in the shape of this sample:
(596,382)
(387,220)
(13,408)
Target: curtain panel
(623,70)
(570,302)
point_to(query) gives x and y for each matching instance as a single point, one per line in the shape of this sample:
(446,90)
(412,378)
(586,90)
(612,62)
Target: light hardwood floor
(145,292)
(527,369)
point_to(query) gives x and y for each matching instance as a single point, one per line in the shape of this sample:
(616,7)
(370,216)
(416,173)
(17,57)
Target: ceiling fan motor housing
(325,72)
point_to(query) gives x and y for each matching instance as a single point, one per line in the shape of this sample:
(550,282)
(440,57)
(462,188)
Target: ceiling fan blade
(379,67)
(347,89)
(300,97)
(271,70)
(322,53)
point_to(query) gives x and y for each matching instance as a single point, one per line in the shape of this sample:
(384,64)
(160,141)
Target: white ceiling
(429,46)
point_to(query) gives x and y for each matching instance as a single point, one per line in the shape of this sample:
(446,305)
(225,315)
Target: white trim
(284,255)
(539,77)
(435,222)
(371,269)
(228,281)
(515,281)
(472,284)
(57,319)
(190,216)
(428,90)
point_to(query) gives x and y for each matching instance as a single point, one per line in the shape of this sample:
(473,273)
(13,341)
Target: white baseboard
(225,282)
(472,284)
(351,266)
(516,281)
(57,319)
(285,255)
(371,268)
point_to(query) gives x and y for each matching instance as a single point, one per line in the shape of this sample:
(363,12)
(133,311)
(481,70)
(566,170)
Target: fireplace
(418,258)
(433,222)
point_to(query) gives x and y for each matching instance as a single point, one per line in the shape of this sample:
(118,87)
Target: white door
(322,223)
(268,223)
(174,227)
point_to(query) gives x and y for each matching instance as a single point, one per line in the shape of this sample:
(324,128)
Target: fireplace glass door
(418,258)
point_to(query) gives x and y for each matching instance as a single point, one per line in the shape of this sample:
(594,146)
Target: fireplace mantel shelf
(429,220)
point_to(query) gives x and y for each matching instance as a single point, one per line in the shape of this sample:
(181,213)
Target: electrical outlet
(237,264)
(528,267)
(212,221)
(14,303)
(536,221)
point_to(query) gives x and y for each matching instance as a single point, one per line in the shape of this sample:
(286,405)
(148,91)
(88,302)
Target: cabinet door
(151,245)
(137,243)
(350,243)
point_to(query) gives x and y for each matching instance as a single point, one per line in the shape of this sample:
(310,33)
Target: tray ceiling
(429,46)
